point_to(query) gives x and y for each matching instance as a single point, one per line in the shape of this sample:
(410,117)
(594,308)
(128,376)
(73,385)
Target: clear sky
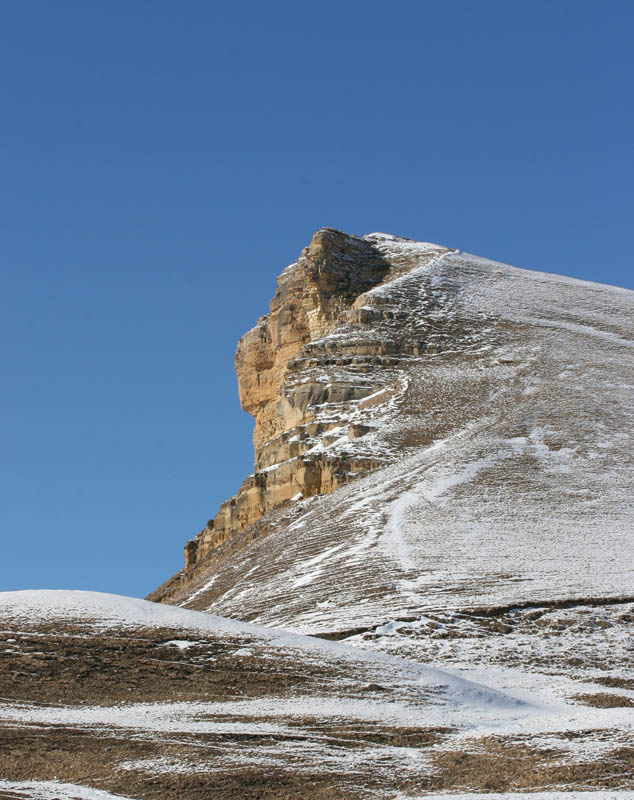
(161,162)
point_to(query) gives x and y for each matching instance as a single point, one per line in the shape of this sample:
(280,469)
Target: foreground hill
(105,697)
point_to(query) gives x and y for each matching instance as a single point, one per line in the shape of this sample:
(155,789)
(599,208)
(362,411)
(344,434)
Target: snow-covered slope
(103,695)
(507,438)
(495,534)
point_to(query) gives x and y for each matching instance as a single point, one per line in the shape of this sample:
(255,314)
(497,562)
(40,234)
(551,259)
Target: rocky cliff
(308,387)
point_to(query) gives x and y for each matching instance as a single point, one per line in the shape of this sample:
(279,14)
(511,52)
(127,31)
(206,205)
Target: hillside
(435,433)
(106,697)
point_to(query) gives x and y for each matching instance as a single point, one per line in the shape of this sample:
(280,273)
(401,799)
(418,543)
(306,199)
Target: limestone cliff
(305,385)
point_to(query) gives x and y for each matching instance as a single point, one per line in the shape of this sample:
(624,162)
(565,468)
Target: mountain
(434,433)
(440,516)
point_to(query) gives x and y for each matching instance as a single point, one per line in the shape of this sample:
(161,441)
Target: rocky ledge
(313,371)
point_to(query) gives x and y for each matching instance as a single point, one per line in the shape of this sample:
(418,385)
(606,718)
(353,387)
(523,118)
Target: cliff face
(306,387)
(312,295)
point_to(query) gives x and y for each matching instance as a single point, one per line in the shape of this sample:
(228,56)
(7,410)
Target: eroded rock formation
(306,386)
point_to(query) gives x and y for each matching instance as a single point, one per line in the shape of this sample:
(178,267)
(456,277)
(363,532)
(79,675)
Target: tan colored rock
(311,298)
(311,295)
(326,351)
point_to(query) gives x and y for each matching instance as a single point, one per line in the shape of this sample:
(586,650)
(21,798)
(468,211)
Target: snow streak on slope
(102,612)
(53,790)
(569,795)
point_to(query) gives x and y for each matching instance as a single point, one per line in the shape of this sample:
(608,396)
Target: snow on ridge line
(537,274)
(103,611)
(399,242)
(377,238)
(396,242)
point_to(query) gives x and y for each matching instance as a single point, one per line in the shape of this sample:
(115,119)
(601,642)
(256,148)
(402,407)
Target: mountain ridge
(473,345)
(314,295)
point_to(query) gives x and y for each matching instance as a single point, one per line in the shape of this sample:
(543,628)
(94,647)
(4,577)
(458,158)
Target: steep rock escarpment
(306,372)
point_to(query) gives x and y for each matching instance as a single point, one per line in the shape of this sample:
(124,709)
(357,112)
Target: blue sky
(162,162)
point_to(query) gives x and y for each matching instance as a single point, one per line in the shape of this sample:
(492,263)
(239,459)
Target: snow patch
(52,790)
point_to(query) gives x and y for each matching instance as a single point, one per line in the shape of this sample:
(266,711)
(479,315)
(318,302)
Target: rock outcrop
(307,386)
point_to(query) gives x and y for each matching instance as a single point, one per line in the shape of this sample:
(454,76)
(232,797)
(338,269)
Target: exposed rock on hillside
(308,387)
(444,472)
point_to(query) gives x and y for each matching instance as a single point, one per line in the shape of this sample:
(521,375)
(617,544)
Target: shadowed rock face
(304,386)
